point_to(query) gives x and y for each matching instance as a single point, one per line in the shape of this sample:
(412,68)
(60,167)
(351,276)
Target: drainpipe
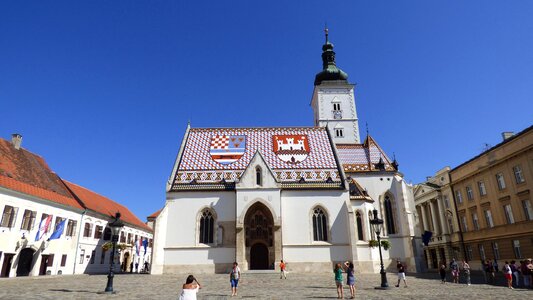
(78,241)
(458,220)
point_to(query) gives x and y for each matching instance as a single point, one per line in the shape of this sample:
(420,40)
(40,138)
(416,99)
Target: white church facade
(301,194)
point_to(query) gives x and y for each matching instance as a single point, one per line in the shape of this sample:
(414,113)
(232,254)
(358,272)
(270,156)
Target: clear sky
(103,90)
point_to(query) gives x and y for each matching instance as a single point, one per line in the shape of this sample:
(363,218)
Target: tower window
(339,132)
(336,106)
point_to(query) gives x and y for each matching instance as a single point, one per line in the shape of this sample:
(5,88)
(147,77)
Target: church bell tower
(333,100)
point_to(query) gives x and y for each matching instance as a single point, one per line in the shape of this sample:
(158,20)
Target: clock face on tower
(337,114)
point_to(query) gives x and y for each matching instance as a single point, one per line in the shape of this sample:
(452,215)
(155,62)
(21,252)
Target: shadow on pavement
(71,291)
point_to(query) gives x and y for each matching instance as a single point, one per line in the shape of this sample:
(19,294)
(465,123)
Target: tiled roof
(363,157)
(25,172)
(357,192)
(104,205)
(154,215)
(291,153)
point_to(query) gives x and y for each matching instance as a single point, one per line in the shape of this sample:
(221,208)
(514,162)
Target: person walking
(401,273)
(489,268)
(466,270)
(350,278)
(442,272)
(529,273)
(338,280)
(190,288)
(282,267)
(454,267)
(234,277)
(514,270)
(508,274)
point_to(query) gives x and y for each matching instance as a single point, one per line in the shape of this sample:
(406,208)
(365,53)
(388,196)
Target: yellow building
(492,192)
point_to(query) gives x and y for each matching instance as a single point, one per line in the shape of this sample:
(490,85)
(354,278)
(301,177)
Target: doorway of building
(259,257)
(25,260)
(434,260)
(6,265)
(258,227)
(44,264)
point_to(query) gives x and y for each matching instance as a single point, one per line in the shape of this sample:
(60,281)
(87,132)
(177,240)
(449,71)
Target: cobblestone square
(256,286)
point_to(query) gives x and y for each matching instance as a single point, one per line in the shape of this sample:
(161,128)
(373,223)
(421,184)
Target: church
(304,195)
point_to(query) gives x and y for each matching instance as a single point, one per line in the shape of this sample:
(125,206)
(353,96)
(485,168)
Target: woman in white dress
(190,288)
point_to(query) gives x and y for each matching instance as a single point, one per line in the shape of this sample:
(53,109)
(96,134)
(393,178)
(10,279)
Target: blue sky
(103,90)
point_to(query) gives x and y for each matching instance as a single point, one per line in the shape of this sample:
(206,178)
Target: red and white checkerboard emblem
(227,149)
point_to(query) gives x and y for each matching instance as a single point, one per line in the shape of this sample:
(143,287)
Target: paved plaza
(256,286)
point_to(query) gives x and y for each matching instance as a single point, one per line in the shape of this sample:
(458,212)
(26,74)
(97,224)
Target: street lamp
(115,226)
(376,226)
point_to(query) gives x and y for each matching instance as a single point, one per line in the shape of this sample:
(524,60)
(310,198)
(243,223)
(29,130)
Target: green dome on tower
(329,72)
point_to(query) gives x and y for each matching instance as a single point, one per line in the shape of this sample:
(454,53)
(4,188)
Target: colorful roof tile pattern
(364,157)
(312,156)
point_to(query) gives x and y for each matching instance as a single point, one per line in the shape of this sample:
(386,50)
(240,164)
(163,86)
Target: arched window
(320,225)
(207,226)
(372,233)
(258,176)
(389,215)
(359,220)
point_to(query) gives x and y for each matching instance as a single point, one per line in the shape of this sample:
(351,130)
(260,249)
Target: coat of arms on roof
(291,148)
(227,149)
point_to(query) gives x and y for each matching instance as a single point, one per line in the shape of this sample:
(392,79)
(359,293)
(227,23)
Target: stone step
(260,272)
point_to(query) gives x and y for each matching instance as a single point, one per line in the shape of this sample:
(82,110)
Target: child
(282,267)
(338,280)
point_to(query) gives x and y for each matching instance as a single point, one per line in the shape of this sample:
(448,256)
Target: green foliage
(373,244)
(385,245)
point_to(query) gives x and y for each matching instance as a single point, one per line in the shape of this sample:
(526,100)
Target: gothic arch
(359,223)
(319,221)
(253,202)
(206,226)
(389,209)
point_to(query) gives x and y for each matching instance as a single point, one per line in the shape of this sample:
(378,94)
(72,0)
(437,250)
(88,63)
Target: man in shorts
(401,273)
(282,267)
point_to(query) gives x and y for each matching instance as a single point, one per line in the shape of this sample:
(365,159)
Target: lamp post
(376,225)
(115,226)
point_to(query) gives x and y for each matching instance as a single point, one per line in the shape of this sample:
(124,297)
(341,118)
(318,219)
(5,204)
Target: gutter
(457,217)
(78,241)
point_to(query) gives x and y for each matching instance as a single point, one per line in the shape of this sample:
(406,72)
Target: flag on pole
(59,230)
(145,244)
(138,245)
(43,228)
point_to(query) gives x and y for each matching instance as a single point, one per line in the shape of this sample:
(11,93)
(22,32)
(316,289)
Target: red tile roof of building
(104,205)
(28,173)
(154,215)
(363,157)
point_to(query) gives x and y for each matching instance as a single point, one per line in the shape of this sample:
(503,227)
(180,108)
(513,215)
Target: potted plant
(385,244)
(373,244)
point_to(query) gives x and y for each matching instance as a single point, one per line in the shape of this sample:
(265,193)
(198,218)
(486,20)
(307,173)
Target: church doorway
(259,257)
(25,260)
(258,227)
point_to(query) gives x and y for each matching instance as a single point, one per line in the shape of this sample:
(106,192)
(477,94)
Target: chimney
(507,134)
(16,140)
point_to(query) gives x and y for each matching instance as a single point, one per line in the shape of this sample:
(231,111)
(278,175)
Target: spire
(329,67)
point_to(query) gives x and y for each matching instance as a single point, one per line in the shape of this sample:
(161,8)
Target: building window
(336,106)
(258,176)
(93,254)
(495,250)
(71,228)
(58,220)
(98,230)
(488,218)
(359,219)
(102,256)
(339,132)
(389,215)
(372,233)
(518,176)
(122,237)
(459,196)
(464,224)
(528,211)
(446,202)
(508,213)
(469,253)
(501,181)
(482,189)
(82,256)
(320,225)
(63,260)
(207,225)
(469,193)
(87,230)
(450,224)
(475,221)
(107,234)
(516,248)
(28,219)
(482,252)
(130,239)
(9,216)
